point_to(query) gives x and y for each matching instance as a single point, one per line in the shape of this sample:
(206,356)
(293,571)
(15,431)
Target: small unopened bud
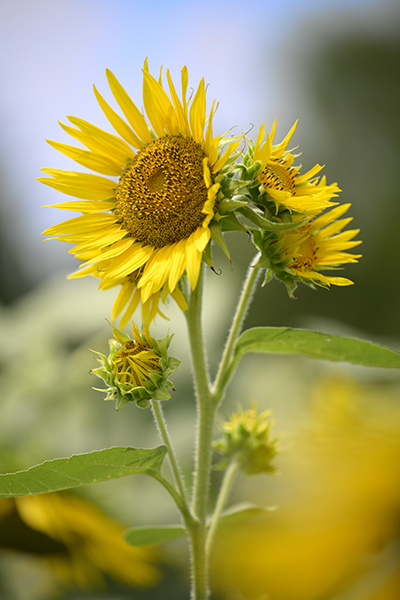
(246,438)
(137,369)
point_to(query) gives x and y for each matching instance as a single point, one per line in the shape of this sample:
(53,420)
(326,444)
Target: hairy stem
(203,451)
(162,428)
(222,498)
(237,323)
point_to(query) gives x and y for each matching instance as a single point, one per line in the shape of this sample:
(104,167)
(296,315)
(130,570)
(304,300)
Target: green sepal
(229,222)
(249,169)
(217,236)
(227,205)
(267,278)
(120,401)
(207,256)
(267,225)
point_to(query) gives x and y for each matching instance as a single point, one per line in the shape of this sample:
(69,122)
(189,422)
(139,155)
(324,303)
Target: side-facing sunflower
(320,245)
(281,181)
(300,254)
(144,230)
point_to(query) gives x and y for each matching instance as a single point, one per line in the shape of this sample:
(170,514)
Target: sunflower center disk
(278,177)
(133,362)
(162,191)
(306,260)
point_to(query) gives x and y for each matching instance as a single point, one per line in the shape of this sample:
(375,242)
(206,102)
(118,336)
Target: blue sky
(53,51)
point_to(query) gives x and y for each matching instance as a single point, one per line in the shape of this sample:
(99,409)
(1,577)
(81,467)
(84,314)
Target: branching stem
(220,382)
(162,428)
(222,498)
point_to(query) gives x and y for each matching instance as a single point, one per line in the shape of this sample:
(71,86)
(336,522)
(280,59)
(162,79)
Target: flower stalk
(246,296)
(163,431)
(222,498)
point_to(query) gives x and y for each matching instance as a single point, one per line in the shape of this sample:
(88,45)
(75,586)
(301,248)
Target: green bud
(246,438)
(137,369)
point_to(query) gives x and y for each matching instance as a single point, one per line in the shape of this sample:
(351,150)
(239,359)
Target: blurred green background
(336,67)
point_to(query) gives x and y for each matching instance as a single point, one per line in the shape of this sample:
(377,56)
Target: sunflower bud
(137,369)
(246,438)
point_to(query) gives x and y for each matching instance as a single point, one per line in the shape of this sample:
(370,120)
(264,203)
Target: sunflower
(84,546)
(144,230)
(320,245)
(282,182)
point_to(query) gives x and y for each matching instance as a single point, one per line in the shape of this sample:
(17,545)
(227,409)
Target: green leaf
(242,511)
(140,536)
(284,340)
(81,469)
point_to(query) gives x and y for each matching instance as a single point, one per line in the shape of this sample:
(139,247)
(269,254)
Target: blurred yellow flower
(88,545)
(145,230)
(337,530)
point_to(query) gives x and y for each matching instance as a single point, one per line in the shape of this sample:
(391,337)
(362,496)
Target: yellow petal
(201,237)
(130,110)
(155,273)
(84,206)
(180,113)
(222,160)
(151,108)
(129,261)
(180,299)
(114,250)
(309,174)
(260,138)
(197,115)
(280,148)
(85,223)
(97,145)
(193,262)
(119,124)
(78,191)
(110,140)
(90,160)
(123,296)
(86,180)
(163,104)
(184,82)
(178,263)
(83,272)
(209,143)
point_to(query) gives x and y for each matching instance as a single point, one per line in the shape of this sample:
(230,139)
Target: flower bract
(148,227)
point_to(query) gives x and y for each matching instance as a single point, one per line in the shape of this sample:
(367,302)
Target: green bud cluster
(246,439)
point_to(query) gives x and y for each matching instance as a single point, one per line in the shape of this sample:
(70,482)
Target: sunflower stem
(246,296)
(163,431)
(203,451)
(222,498)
